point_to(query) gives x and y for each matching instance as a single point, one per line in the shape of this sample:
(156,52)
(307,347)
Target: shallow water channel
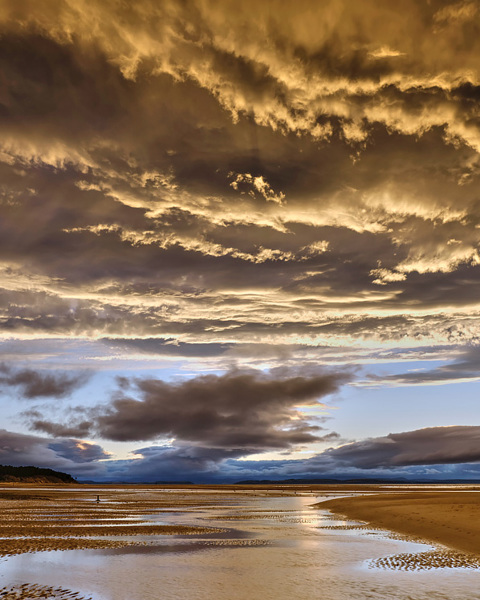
(272,548)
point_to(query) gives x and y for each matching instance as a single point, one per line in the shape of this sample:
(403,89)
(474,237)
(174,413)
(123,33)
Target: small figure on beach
(98,498)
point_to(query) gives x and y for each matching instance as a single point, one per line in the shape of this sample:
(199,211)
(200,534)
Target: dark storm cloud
(147,153)
(197,464)
(77,451)
(73,456)
(240,412)
(410,453)
(191,318)
(231,182)
(158,463)
(249,410)
(429,446)
(431,453)
(35,384)
(81,429)
(334,58)
(435,452)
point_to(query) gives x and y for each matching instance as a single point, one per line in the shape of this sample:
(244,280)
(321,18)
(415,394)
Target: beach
(449,518)
(39,519)
(258,541)
(44,518)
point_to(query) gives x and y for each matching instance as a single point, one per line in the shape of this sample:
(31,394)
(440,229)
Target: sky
(240,240)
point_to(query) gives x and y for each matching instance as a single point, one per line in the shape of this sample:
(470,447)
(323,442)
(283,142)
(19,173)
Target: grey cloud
(199,464)
(240,412)
(430,453)
(176,463)
(144,207)
(429,446)
(249,410)
(123,127)
(72,456)
(433,452)
(165,316)
(169,347)
(34,384)
(466,366)
(38,423)
(77,451)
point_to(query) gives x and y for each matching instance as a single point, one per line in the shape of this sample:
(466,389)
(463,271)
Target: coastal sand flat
(42,518)
(448,518)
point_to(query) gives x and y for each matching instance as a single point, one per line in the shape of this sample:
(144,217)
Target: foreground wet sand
(69,518)
(222,534)
(38,592)
(449,518)
(42,518)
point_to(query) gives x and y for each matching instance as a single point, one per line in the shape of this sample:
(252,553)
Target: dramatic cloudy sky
(240,239)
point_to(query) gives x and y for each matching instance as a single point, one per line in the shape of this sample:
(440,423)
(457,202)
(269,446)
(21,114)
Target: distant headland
(33,475)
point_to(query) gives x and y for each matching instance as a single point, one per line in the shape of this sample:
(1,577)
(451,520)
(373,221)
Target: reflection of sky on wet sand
(274,548)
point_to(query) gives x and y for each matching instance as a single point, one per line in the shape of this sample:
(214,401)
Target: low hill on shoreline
(33,475)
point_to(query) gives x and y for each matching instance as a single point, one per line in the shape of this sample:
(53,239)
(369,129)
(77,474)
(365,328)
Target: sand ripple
(34,592)
(422,561)
(71,521)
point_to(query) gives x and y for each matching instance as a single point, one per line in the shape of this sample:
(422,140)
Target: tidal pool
(271,548)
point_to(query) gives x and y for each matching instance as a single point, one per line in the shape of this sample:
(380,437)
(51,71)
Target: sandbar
(449,518)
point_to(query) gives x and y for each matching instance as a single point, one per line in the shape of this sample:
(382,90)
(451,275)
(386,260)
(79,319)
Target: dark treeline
(33,474)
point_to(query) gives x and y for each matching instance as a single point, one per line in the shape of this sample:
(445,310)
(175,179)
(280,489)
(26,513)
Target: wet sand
(132,520)
(45,518)
(39,518)
(449,518)
(69,518)
(38,592)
